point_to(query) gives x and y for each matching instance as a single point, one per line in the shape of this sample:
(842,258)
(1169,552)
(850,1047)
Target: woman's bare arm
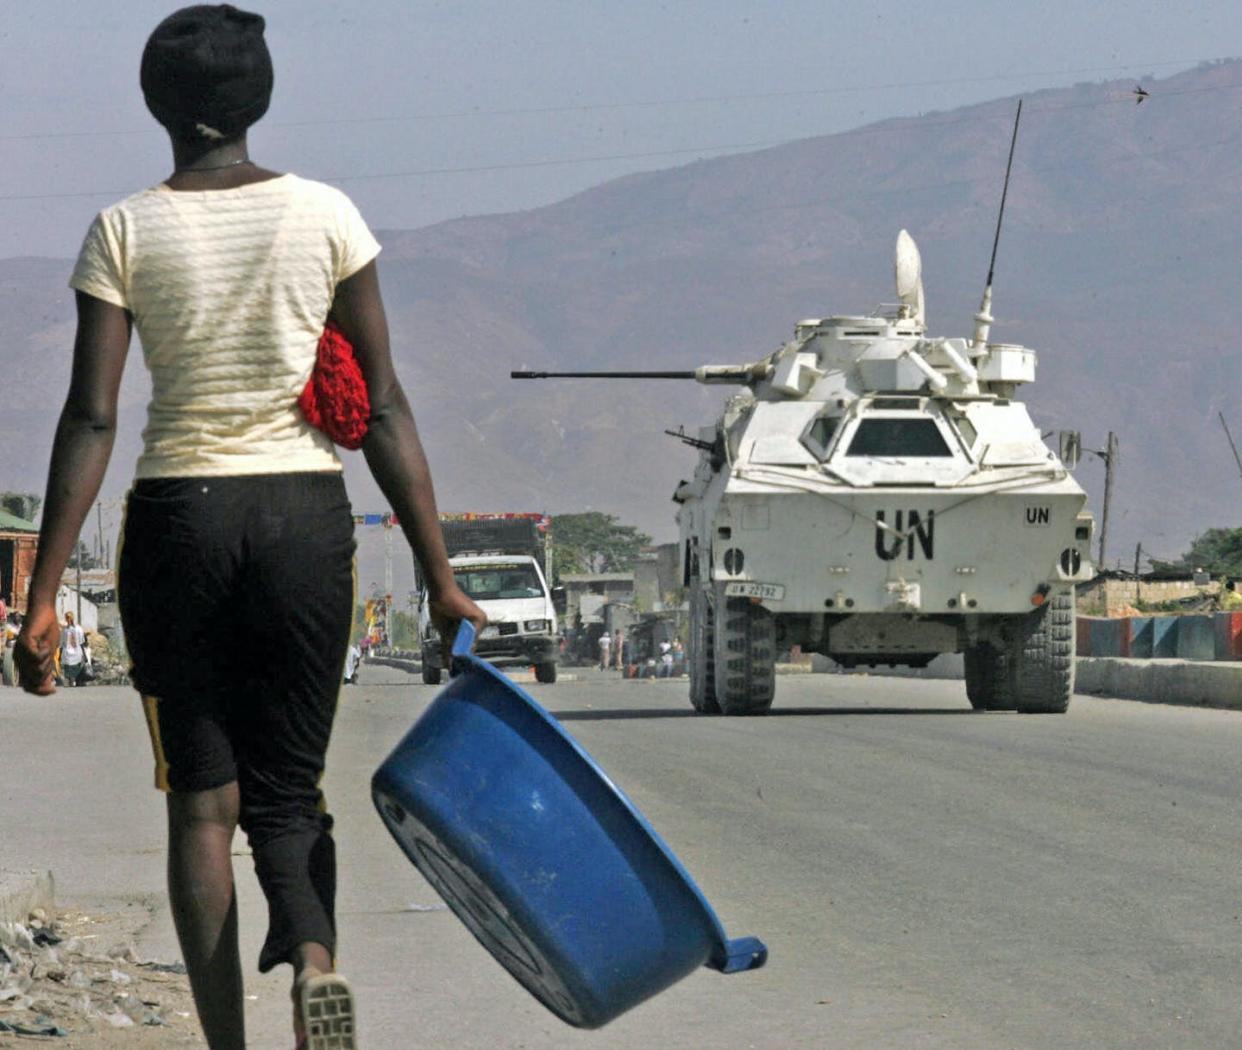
(393,449)
(80,456)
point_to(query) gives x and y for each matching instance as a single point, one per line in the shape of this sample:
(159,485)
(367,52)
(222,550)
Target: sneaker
(328,1016)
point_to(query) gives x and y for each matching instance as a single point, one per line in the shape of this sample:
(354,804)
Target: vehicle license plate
(745,589)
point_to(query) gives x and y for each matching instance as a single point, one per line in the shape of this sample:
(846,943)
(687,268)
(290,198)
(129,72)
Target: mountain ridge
(1121,235)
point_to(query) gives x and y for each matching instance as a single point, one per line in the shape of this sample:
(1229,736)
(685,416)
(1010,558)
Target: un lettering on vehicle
(910,531)
(1037,517)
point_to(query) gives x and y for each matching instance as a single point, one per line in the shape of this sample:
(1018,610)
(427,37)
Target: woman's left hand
(448,609)
(34,652)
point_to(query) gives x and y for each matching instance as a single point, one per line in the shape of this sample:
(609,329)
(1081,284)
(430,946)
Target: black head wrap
(206,72)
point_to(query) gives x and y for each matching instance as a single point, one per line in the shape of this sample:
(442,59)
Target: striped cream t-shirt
(229,290)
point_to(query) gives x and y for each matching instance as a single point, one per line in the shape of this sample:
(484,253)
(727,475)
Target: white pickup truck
(496,562)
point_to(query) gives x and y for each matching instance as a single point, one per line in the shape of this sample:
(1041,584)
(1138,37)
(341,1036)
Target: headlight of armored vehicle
(534,626)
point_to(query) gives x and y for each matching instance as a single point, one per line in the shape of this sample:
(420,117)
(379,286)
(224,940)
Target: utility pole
(1109,455)
(1138,553)
(388,561)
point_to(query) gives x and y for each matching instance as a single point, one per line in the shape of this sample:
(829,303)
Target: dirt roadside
(77,983)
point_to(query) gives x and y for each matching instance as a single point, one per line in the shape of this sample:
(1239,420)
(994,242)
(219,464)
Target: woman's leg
(204,907)
(297,606)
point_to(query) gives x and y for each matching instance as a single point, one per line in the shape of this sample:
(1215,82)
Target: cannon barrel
(742,375)
(602,375)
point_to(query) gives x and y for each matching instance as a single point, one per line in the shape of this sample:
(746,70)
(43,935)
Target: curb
(21,892)
(1182,682)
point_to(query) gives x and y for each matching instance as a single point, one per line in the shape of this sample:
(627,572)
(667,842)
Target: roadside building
(587,593)
(19,543)
(1118,593)
(657,578)
(84,610)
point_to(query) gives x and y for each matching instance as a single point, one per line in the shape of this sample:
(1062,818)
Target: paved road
(925,876)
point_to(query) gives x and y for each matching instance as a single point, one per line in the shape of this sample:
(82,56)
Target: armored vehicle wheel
(1043,657)
(988,685)
(431,675)
(745,651)
(545,673)
(702,654)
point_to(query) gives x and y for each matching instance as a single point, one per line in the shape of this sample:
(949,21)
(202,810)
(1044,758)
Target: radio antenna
(983,319)
(1237,458)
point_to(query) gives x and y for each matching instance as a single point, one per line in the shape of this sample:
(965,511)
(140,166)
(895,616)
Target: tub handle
(737,956)
(463,646)
(463,643)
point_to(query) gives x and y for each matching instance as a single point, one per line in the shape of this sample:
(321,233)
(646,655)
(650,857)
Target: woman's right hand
(34,652)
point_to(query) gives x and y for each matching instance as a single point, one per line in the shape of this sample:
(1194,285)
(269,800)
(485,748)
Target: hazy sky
(438,110)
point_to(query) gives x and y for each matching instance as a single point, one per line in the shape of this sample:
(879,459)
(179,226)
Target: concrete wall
(1204,636)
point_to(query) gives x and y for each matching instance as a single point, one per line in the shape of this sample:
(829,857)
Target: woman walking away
(238,540)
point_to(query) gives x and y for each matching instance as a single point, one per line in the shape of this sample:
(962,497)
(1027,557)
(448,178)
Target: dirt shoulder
(76,981)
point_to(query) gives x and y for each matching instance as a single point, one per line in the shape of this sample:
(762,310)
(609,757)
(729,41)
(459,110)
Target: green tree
(593,542)
(1216,551)
(404,631)
(24,505)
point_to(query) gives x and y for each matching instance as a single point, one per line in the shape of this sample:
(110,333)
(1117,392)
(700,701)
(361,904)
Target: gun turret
(734,375)
(686,439)
(715,449)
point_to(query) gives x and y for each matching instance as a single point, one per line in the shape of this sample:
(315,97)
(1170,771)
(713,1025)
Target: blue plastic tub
(543,858)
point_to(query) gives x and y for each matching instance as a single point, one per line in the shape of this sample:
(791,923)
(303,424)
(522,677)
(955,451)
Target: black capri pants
(237,600)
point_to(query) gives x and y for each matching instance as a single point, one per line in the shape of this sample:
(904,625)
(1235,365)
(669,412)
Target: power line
(885,127)
(550,163)
(511,165)
(592,107)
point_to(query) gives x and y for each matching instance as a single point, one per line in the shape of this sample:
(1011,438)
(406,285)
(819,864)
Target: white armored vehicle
(881,496)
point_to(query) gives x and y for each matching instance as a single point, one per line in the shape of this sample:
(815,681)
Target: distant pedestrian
(666,659)
(8,635)
(353,657)
(618,648)
(605,651)
(73,652)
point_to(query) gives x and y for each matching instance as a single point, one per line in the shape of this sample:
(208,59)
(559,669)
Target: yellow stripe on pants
(150,707)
